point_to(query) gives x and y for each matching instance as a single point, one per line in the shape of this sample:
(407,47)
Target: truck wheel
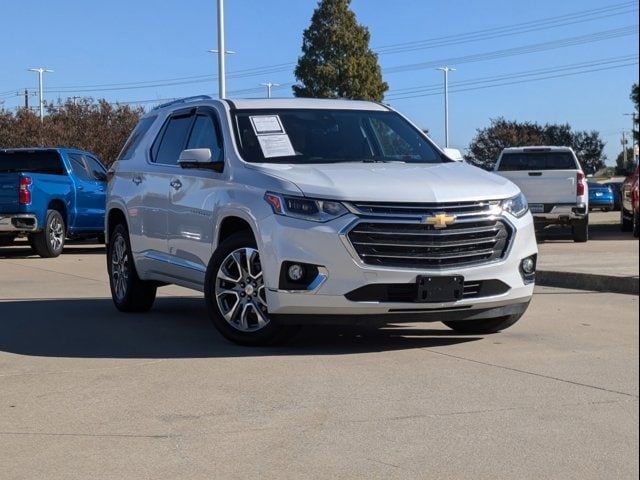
(129,292)
(490,325)
(636,224)
(49,242)
(580,230)
(626,225)
(235,294)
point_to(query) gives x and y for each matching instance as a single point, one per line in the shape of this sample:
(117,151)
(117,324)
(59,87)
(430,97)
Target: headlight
(516,206)
(305,208)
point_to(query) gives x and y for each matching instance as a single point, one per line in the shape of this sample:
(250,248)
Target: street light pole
(222,86)
(222,83)
(269,86)
(446,71)
(40,71)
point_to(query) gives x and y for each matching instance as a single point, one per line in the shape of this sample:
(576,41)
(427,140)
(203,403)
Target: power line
(550,22)
(501,84)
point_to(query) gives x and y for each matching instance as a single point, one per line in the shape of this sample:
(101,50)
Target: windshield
(537,161)
(35,161)
(330,136)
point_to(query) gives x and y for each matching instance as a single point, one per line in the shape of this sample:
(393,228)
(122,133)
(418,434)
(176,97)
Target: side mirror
(454,154)
(199,158)
(100,176)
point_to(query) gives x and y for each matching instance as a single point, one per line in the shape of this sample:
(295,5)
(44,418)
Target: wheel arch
(115,216)
(231,224)
(59,206)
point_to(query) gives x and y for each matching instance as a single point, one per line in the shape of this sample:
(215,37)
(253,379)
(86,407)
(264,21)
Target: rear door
(90,196)
(543,176)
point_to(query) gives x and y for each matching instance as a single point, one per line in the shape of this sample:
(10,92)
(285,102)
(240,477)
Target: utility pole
(624,149)
(26,94)
(40,71)
(633,135)
(269,86)
(222,82)
(446,71)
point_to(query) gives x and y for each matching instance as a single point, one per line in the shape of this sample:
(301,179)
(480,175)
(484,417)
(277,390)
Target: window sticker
(266,124)
(277,145)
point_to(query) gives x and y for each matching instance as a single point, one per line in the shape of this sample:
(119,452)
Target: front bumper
(18,222)
(286,239)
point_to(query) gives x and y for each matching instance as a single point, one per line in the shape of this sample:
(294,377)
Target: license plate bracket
(439,289)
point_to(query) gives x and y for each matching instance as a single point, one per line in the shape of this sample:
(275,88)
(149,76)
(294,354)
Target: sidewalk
(608,262)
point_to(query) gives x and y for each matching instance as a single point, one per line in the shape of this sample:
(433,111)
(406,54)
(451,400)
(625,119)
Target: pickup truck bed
(554,184)
(49,195)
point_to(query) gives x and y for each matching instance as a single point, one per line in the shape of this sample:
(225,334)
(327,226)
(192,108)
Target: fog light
(295,272)
(528,265)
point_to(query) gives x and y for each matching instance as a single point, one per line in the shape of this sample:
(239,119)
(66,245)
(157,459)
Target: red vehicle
(630,211)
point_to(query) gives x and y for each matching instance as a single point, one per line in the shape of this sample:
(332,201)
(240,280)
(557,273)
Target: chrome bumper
(18,222)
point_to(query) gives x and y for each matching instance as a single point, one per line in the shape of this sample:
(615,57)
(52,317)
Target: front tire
(626,224)
(483,327)
(49,242)
(636,224)
(235,294)
(128,291)
(580,230)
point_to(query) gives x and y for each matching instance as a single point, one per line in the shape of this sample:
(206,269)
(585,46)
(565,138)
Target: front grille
(398,236)
(408,292)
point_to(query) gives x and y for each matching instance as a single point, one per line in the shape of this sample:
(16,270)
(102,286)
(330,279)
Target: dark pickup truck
(50,194)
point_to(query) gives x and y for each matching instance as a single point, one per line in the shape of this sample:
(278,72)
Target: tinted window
(79,167)
(136,136)
(537,161)
(173,140)
(204,135)
(42,161)
(333,136)
(96,169)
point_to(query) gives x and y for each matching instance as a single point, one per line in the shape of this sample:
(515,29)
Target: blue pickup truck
(49,195)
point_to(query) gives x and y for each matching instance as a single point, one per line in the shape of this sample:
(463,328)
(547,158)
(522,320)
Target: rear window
(47,161)
(537,161)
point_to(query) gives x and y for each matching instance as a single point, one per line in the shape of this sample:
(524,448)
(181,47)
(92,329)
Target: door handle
(137,180)
(80,187)
(535,174)
(176,184)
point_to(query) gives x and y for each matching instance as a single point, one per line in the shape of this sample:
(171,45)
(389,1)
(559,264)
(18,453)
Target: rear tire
(128,291)
(49,242)
(580,230)
(237,307)
(483,327)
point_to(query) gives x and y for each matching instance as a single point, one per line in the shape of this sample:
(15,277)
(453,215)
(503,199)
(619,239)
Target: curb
(588,281)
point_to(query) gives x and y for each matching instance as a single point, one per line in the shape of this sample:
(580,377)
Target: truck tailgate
(545,186)
(9,192)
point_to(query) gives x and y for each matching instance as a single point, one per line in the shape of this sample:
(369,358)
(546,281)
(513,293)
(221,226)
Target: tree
(486,146)
(336,60)
(635,98)
(101,128)
(625,169)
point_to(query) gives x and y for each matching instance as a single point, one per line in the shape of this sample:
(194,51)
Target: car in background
(600,197)
(49,195)
(616,188)
(630,211)
(553,183)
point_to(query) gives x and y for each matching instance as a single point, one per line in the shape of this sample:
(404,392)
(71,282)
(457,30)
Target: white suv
(294,211)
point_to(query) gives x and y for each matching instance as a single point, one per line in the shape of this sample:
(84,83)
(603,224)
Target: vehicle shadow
(603,232)
(22,250)
(177,328)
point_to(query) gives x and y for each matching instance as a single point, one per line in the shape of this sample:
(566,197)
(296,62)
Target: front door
(192,197)
(90,193)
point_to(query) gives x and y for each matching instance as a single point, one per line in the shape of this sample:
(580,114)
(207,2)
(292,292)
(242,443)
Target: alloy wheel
(120,267)
(56,233)
(240,291)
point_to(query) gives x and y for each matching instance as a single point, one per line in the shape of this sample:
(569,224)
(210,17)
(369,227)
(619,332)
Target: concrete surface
(608,262)
(89,393)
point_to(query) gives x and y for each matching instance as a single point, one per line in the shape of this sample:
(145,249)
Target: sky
(543,61)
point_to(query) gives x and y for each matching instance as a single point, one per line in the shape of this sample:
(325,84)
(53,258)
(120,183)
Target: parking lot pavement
(87,392)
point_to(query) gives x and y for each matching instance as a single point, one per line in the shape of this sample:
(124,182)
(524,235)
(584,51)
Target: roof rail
(184,100)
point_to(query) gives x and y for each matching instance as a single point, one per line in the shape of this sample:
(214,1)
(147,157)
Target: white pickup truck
(554,184)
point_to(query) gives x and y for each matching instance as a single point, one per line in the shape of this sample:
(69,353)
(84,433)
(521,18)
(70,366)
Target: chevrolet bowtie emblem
(441,220)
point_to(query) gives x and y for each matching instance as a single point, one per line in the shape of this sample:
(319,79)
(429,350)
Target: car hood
(394,182)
